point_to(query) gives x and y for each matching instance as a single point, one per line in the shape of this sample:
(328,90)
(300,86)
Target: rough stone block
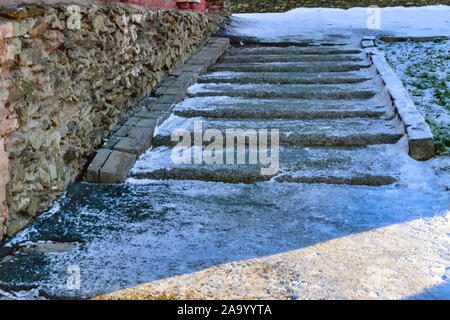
(166,99)
(123,131)
(421,143)
(416,39)
(147,102)
(97,163)
(133,120)
(111,143)
(198,69)
(206,57)
(129,145)
(168,82)
(176,91)
(143,135)
(17,223)
(147,123)
(161,90)
(6,30)
(187,79)
(4,173)
(146,114)
(221,44)
(116,167)
(162,106)
(184,81)
(421,149)
(367,43)
(177,70)
(212,51)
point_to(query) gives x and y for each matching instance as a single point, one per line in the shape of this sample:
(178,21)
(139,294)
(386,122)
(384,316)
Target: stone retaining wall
(65,86)
(247,6)
(218,5)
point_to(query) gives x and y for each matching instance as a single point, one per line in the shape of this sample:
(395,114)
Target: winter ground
(325,23)
(193,239)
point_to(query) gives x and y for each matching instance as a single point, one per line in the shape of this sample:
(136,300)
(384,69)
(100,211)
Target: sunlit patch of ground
(424,68)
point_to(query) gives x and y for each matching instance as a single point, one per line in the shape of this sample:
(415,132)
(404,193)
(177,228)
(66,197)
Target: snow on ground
(280,240)
(375,264)
(317,22)
(424,68)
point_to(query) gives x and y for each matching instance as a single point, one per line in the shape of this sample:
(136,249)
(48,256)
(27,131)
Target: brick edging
(414,39)
(420,138)
(118,155)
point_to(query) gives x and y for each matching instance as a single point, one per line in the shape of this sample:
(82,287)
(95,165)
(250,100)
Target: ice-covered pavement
(374,264)
(326,23)
(392,241)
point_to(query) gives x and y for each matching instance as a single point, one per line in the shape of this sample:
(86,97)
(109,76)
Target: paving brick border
(118,155)
(415,39)
(420,138)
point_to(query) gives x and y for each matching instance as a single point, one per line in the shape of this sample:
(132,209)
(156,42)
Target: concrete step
(285,77)
(294,50)
(251,58)
(353,166)
(238,108)
(364,90)
(315,132)
(292,67)
(300,41)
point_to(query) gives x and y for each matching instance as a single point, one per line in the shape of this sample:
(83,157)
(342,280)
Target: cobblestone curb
(420,138)
(415,39)
(117,156)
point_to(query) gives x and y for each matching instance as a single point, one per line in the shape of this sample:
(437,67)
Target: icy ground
(391,240)
(325,23)
(424,68)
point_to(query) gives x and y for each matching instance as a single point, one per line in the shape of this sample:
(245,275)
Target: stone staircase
(151,232)
(336,123)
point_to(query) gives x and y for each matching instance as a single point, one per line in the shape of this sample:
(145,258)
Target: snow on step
(285,77)
(292,58)
(354,166)
(294,50)
(316,132)
(364,90)
(227,107)
(291,67)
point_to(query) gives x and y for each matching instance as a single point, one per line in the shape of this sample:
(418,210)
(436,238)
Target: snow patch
(307,23)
